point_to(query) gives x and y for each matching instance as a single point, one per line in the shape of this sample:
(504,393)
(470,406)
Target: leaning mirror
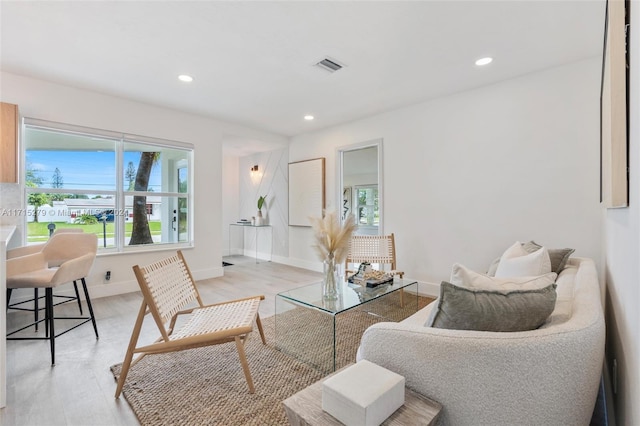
(360,185)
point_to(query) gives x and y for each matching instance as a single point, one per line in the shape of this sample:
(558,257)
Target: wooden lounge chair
(167,288)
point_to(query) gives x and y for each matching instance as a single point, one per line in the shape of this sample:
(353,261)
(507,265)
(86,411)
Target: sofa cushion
(516,261)
(558,257)
(465,277)
(462,308)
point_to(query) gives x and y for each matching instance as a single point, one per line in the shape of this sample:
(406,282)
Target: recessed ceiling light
(185,78)
(309,117)
(484,61)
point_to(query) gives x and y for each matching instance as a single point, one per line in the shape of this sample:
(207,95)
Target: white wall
(622,252)
(271,181)
(230,198)
(467,175)
(48,101)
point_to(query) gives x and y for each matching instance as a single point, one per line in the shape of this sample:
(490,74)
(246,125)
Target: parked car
(108,213)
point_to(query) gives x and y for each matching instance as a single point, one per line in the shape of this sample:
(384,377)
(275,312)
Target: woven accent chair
(66,257)
(379,249)
(54,261)
(167,288)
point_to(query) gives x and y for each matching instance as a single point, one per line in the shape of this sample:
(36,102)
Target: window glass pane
(72,179)
(163,220)
(64,160)
(368,208)
(153,168)
(182,180)
(363,216)
(75,211)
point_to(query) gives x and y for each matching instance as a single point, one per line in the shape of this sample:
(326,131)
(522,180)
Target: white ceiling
(253,61)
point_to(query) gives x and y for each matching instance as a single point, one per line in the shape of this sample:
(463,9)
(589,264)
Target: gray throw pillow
(559,257)
(460,308)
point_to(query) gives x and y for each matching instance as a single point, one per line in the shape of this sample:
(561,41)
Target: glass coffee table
(326,334)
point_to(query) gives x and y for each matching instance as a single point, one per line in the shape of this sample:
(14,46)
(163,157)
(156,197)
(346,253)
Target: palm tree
(37,200)
(140,233)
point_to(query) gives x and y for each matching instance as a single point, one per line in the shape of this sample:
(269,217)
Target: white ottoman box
(364,394)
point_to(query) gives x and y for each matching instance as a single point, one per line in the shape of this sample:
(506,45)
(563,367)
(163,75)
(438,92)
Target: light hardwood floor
(79,389)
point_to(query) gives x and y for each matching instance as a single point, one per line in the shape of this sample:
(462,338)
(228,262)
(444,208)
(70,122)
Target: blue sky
(86,170)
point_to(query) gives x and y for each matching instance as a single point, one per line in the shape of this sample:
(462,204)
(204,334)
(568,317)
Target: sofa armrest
(536,377)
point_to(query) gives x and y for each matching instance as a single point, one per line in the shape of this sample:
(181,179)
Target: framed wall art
(614,107)
(346,202)
(306,191)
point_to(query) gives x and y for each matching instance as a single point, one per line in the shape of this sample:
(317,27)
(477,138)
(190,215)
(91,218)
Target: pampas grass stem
(331,237)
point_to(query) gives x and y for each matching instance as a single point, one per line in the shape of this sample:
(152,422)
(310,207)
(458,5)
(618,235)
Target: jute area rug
(206,386)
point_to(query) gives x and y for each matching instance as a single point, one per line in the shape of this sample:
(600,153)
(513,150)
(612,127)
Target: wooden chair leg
(243,361)
(126,364)
(259,323)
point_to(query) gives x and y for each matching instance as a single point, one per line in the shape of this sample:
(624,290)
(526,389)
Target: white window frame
(120,140)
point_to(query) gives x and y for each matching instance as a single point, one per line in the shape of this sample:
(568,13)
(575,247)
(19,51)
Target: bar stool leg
(75,287)
(35,307)
(49,321)
(93,318)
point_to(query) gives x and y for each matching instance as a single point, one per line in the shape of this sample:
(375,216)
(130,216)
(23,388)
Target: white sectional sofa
(547,376)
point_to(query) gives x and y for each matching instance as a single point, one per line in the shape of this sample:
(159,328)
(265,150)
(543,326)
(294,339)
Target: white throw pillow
(516,250)
(465,277)
(517,262)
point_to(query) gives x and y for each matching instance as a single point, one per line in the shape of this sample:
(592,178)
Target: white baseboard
(203,274)
(608,394)
(97,291)
(428,289)
(299,263)
(123,287)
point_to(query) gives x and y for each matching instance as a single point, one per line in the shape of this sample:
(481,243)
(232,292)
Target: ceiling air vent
(329,65)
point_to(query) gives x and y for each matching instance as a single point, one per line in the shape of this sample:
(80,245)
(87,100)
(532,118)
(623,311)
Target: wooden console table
(305,409)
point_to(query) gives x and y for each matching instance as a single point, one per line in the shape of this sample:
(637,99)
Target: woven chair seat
(220,318)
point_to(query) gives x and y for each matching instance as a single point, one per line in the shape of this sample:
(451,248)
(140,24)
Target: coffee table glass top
(351,295)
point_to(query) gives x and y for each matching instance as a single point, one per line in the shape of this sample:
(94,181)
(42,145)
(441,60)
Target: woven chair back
(169,286)
(373,249)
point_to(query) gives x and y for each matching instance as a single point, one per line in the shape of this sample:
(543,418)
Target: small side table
(255,228)
(305,409)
